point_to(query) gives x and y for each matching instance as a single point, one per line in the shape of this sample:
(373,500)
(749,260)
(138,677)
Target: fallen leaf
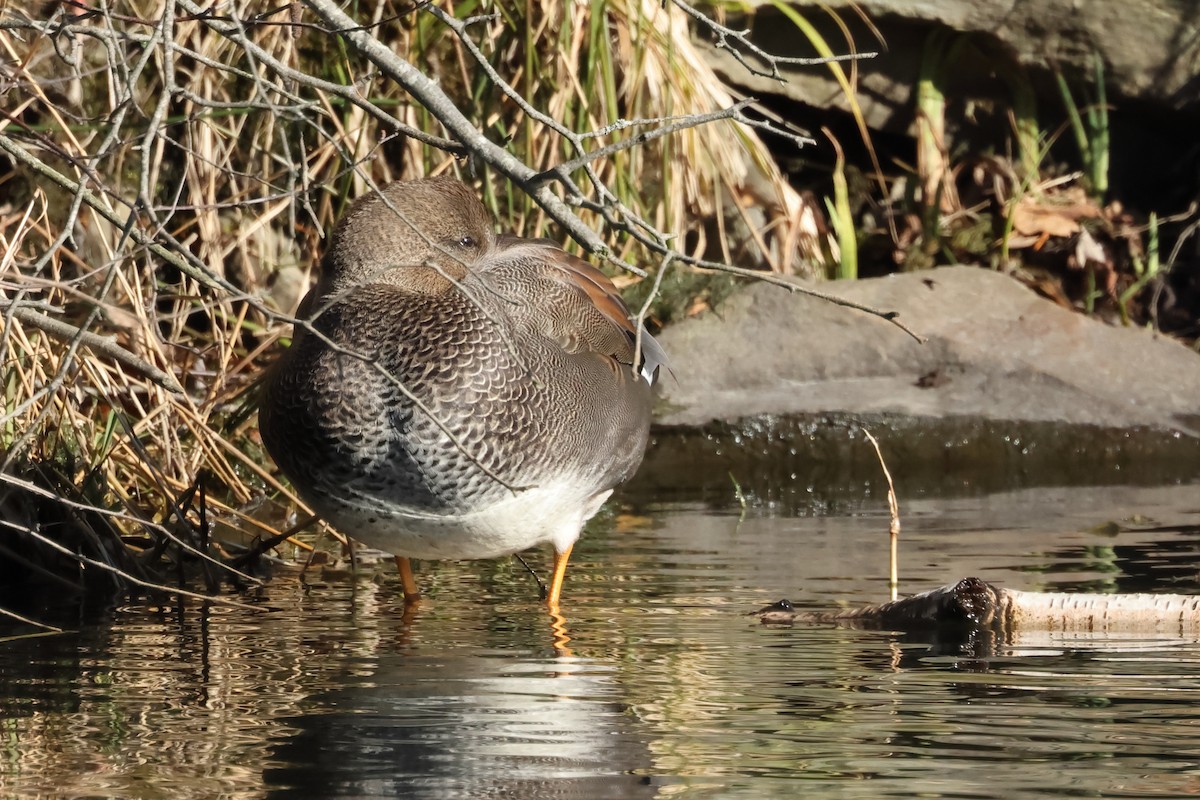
(1053,215)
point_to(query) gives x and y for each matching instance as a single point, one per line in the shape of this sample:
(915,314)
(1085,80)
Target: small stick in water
(894,526)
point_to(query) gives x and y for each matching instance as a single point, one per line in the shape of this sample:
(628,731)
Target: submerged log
(973,604)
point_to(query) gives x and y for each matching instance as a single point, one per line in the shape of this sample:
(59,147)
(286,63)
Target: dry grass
(165,187)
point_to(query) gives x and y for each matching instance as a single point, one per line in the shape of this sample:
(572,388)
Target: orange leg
(411,593)
(556,581)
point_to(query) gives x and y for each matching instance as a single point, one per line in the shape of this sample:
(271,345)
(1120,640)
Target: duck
(454,393)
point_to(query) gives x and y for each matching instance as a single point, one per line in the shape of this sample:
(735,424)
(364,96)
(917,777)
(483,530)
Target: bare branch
(104,345)
(563,170)
(14,615)
(735,42)
(188,265)
(434,100)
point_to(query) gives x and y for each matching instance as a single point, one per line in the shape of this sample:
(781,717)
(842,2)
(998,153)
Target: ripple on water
(668,688)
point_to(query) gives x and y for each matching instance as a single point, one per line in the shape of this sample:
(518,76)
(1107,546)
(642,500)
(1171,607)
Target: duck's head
(436,221)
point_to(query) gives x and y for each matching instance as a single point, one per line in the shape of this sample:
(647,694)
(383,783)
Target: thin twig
(14,615)
(431,96)
(120,573)
(640,321)
(161,530)
(734,42)
(778,280)
(893,525)
(103,345)
(567,167)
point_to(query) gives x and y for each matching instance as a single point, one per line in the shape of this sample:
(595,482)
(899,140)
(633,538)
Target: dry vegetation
(167,173)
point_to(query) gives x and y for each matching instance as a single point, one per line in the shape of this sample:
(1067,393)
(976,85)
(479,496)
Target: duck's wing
(573,302)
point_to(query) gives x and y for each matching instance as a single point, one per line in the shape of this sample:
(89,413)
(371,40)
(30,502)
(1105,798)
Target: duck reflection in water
(471,726)
(454,393)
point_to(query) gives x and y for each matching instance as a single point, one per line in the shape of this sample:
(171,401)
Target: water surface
(665,689)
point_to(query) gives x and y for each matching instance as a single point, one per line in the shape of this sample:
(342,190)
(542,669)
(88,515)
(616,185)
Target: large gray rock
(1150,49)
(995,350)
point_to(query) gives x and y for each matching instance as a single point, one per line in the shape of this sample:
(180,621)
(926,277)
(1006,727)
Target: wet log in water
(973,604)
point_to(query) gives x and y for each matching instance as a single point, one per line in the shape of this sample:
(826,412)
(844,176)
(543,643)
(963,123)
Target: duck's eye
(467,241)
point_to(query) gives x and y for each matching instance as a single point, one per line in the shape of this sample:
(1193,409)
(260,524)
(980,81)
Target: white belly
(553,513)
